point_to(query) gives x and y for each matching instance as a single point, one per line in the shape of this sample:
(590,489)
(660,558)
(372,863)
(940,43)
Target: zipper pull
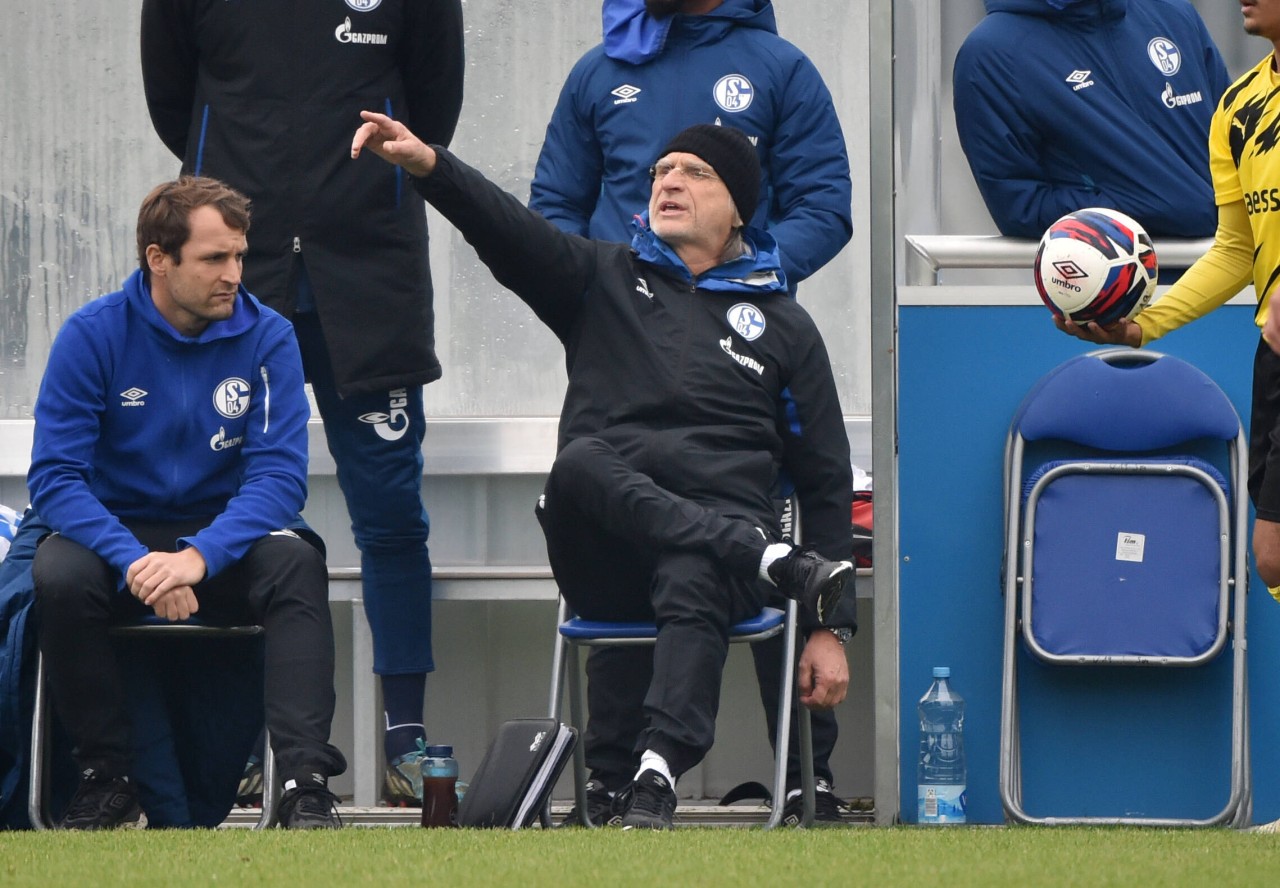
(297,245)
(266,385)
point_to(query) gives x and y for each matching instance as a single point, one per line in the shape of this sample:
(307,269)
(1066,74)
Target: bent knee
(577,454)
(289,551)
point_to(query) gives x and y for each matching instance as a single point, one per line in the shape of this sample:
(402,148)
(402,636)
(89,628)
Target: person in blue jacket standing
(1066,104)
(170,460)
(665,65)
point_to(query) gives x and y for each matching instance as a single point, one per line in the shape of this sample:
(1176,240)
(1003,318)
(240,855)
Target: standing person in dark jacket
(263,96)
(694,381)
(1066,104)
(170,460)
(665,65)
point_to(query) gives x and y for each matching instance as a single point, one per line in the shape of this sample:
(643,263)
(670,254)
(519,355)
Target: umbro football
(1096,265)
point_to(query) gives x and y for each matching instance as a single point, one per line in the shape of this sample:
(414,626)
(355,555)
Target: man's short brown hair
(164,217)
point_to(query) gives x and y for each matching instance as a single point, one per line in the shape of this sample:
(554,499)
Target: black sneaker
(603,807)
(827,807)
(653,802)
(103,803)
(812,580)
(309,806)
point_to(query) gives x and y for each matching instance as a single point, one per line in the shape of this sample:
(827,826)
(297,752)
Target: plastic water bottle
(439,787)
(942,773)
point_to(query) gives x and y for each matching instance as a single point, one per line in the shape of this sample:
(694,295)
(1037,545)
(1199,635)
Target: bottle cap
(941,671)
(439,752)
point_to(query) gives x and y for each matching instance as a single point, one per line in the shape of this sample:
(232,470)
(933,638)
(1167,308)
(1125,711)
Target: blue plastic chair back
(1118,400)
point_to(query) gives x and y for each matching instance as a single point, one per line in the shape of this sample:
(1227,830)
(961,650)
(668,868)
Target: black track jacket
(657,369)
(265,94)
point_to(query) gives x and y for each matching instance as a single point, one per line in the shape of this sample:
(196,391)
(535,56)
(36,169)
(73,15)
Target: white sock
(651,761)
(771,554)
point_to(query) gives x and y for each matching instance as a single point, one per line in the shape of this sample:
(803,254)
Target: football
(1096,265)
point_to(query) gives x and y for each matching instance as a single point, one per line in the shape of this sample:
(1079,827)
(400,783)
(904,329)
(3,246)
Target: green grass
(452,859)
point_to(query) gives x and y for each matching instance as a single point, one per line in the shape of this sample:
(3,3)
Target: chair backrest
(1126,400)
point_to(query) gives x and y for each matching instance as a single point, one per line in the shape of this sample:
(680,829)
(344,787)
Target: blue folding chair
(1125,543)
(147,627)
(574,632)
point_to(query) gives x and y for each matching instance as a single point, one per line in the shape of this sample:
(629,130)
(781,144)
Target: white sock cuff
(651,761)
(772,553)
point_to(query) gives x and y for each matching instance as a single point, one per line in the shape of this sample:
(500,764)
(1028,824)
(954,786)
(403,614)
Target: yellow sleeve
(1215,277)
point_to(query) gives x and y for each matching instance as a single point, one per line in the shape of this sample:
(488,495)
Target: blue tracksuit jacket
(1100,103)
(136,421)
(625,99)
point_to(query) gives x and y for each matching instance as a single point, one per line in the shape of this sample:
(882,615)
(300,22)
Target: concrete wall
(78,153)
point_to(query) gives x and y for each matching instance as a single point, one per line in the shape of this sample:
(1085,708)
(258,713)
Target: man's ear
(156,258)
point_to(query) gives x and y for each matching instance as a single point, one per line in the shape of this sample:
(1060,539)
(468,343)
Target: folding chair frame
(37,794)
(565,661)
(1017,573)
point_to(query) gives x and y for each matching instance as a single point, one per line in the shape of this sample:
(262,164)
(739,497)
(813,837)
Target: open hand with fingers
(1122,332)
(393,142)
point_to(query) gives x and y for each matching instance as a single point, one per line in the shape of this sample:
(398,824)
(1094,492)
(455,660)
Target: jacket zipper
(266,382)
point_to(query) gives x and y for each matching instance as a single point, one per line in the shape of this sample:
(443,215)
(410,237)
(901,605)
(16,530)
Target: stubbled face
(201,288)
(689,206)
(1261,18)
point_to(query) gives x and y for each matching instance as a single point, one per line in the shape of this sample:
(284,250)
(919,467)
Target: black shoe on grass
(603,807)
(653,803)
(309,807)
(828,809)
(103,803)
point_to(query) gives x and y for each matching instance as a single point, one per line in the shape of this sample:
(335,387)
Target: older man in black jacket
(694,382)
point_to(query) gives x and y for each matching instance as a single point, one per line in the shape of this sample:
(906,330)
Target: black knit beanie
(730,153)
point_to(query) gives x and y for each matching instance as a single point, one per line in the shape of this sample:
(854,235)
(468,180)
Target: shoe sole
(828,598)
(140,823)
(647,823)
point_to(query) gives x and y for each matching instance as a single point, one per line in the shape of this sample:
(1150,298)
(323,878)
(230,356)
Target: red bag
(862,527)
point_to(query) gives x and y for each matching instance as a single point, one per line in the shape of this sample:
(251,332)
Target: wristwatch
(842,633)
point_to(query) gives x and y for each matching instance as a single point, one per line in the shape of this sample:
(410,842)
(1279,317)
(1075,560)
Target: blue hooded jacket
(137,421)
(650,79)
(1065,104)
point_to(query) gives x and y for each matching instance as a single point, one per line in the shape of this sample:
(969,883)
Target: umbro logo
(642,286)
(133,397)
(1080,79)
(626,94)
(1069,270)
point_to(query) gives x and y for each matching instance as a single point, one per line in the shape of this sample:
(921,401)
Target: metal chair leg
(37,792)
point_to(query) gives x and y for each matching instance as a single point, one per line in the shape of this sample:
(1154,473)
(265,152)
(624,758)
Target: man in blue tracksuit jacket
(170,457)
(1065,104)
(665,65)
(654,76)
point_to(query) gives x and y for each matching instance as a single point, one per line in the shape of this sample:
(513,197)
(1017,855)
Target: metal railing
(927,254)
